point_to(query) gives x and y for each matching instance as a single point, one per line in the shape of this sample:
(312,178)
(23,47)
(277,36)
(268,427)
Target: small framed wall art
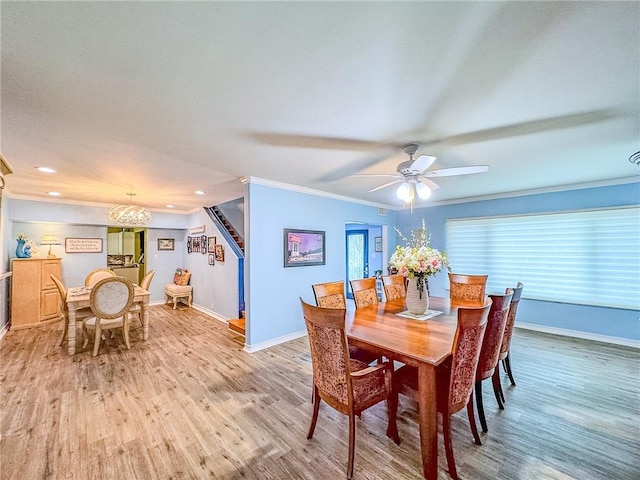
(219,253)
(166,244)
(211,245)
(303,247)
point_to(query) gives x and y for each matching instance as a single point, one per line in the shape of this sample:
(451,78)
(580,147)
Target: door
(357,256)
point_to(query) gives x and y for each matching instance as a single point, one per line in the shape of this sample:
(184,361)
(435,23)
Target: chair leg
(507,366)
(497,389)
(352,444)
(472,420)
(125,333)
(483,421)
(64,332)
(314,415)
(85,333)
(175,302)
(448,448)
(96,341)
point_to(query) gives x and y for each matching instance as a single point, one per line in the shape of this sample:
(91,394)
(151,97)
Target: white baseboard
(583,335)
(274,342)
(210,313)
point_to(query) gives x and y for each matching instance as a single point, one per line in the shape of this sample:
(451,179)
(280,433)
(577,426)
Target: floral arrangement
(417,259)
(22,236)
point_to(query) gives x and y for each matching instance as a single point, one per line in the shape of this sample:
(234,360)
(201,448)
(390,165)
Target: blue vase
(22,251)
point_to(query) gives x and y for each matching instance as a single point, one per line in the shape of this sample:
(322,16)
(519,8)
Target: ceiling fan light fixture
(405,192)
(423,191)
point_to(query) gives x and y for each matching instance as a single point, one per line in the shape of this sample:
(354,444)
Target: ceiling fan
(415,179)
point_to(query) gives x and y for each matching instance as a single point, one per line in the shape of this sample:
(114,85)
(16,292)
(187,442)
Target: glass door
(357,256)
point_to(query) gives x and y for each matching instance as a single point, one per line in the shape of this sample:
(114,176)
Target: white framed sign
(198,229)
(83,245)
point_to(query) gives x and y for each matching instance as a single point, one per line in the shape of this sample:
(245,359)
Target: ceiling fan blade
(385,185)
(422,163)
(525,128)
(310,141)
(450,172)
(430,183)
(364,175)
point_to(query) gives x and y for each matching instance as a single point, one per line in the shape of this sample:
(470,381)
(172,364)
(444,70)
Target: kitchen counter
(130,272)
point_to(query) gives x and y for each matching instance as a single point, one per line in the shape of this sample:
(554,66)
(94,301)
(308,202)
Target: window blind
(584,257)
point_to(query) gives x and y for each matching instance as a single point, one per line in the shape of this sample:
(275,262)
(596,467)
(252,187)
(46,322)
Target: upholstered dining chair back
(467,289)
(330,294)
(98,274)
(110,302)
(491,349)
(364,292)
(467,343)
(64,308)
(493,334)
(347,385)
(455,378)
(146,280)
(505,348)
(511,320)
(136,309)
(394,287)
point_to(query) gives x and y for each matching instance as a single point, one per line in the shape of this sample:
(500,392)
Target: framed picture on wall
(212,259)
(219,253)
(189,244)
(203,241)
(303,248)
(166,244)
(378,244)
(211,245)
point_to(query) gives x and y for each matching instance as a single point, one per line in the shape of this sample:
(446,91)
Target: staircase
(237,325)
(228,227)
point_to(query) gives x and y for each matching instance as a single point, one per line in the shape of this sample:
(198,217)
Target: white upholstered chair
(110,302)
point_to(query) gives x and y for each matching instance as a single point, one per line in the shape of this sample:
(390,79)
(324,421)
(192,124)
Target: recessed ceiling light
(54,194)
(200,192)
(46,169)
(169,206)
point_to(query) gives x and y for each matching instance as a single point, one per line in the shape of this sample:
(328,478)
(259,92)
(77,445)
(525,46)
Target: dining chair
(364,292)
(345,384)
(490,350)
(96,275)
(505,348)
(331,295)
(394,287)
(145,284)
(467,289)
(454,378)
(64,308)
(110,302)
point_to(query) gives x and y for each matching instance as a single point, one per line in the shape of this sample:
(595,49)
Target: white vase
(417,302)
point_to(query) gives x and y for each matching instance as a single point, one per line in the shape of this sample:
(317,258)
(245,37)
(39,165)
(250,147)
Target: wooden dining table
(424,344)
(77,301)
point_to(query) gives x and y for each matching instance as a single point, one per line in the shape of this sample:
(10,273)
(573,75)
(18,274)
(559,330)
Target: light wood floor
(190,404)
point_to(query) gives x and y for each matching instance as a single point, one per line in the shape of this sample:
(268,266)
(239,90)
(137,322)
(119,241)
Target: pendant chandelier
(129,215)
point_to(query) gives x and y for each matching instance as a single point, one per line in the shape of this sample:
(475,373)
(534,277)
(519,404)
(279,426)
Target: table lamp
(50,240)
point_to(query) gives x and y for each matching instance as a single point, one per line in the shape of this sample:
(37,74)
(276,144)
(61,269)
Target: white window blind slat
(587,257)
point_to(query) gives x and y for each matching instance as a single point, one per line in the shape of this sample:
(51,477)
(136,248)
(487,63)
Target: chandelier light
(129,215)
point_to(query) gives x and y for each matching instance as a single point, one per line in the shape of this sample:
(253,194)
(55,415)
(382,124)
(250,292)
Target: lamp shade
(49,240)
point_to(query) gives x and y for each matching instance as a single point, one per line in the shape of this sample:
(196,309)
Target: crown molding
(310,191)
(534,191)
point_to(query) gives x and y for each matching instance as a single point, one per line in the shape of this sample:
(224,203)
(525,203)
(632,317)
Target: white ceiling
(163,98)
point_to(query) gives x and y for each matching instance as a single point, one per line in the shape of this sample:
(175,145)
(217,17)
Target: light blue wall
(594,320)
(272,305)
